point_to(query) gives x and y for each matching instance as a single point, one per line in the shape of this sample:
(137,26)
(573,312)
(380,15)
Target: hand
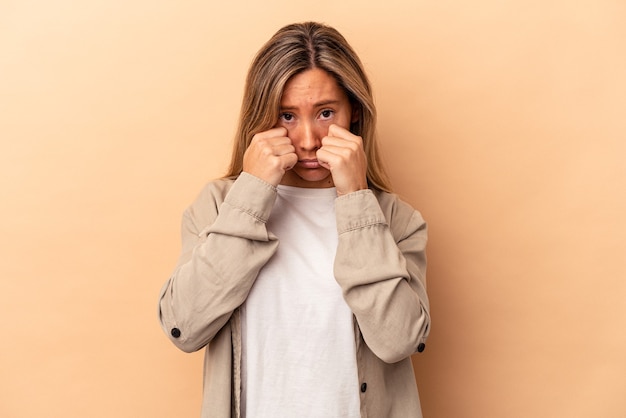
(269,155)
(342,153)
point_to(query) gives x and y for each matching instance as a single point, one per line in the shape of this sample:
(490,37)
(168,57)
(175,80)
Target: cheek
(344,120)
(322,128)
(279,124)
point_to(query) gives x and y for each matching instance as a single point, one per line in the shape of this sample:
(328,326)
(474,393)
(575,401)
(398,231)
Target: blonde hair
(292,50)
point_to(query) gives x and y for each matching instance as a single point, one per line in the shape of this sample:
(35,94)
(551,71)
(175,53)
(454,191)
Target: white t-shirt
(298,354)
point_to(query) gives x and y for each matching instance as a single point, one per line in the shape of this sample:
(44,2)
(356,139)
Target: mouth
(309,163)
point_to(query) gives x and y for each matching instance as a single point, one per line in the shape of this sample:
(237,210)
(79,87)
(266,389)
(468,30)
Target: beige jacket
(380,265)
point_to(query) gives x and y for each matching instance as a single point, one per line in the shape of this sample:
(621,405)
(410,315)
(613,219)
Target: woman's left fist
(342,153)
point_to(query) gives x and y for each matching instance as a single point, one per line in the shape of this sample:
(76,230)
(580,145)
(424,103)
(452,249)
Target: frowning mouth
(309,163)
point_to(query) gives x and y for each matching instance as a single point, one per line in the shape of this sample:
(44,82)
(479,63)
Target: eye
(286,117)
(326,114)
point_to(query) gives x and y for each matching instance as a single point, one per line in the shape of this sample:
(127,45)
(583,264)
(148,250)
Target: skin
(311,145)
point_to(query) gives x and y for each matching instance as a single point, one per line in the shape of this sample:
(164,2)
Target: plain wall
(503,122)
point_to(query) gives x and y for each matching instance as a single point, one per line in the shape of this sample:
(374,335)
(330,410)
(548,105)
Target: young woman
(300,273)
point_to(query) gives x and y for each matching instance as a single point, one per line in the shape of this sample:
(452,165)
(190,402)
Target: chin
(315,174)
(310,178)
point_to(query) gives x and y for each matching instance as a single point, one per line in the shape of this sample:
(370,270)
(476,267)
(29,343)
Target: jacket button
(363,387)
(421,347)
(175,332)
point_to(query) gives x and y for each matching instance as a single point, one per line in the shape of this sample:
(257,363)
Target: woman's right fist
(269,155)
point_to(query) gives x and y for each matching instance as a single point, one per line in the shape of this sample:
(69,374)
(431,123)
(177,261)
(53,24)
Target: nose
(306,137)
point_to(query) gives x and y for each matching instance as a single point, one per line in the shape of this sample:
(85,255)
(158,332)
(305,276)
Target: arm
(380,265)
(225,244)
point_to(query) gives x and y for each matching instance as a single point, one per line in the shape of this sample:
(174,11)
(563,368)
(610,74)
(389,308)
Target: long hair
(292,50)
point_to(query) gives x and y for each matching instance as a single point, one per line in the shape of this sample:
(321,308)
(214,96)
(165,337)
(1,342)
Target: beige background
(503,122)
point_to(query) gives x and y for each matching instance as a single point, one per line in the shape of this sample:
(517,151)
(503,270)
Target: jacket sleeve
(380,266)
(224,245)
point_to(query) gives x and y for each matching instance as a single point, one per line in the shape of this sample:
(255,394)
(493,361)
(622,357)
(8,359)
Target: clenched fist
(342,153)
(269,155)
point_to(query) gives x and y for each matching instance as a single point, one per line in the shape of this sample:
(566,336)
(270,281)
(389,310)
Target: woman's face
(311,102)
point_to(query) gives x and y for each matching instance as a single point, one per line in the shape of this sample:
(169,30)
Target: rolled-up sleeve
(224,245)
(380,266)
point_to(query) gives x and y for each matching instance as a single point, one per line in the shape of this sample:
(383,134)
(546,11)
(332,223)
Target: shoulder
(245,192)
(400,215)
(392,205)
(206,205)
(213,192)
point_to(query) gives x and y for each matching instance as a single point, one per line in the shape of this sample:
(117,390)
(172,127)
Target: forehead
(312,86)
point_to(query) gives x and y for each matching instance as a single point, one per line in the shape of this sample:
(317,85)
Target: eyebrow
(315,105)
